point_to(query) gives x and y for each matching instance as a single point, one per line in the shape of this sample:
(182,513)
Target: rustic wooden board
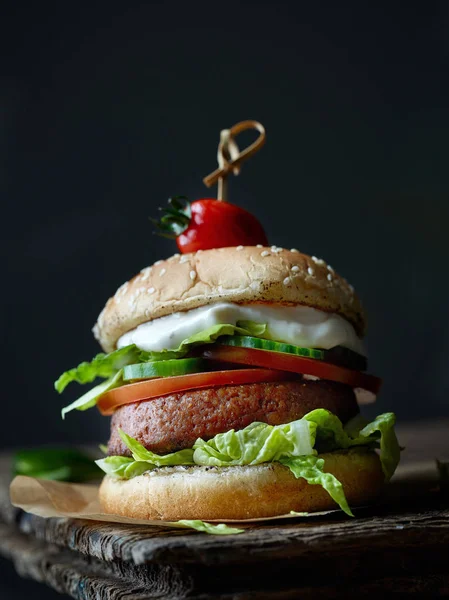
(401,545)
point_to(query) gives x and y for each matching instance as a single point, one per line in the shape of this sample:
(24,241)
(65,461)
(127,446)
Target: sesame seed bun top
(241,275)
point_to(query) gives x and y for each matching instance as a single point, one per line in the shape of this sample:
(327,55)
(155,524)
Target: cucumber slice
(337,356)
(164,368)
(246,341)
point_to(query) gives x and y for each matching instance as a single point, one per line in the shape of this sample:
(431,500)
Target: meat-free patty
(176,421)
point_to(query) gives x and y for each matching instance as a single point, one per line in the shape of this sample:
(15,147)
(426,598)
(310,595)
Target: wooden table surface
(400,546)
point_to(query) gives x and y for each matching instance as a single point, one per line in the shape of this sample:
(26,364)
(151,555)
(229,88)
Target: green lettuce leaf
(123,467)
(331,435)
(383,427)
(207,336)
(140,453)
(103,365)
(90,398)
(310,468)
(220,529)
(256,444)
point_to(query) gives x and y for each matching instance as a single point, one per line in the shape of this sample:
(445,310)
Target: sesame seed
(117,299)
(183,259)
(158,262)
(192,275)
(151,290)
(293,250)
(198,251)
(265,253)
(295,268)
(351,287)
(318,261)
(329,268)
(329,276)
(259,246)
(287,281)
(145,273)
(239,248)
(162,272)
(310,271)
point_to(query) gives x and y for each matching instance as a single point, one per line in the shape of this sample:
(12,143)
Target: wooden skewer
(229,156)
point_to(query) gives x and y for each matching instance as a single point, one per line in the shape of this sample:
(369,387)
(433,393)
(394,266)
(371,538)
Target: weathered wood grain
(139,545)
(70,572)
(85,578)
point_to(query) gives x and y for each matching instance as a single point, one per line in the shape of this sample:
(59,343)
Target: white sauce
(298,325)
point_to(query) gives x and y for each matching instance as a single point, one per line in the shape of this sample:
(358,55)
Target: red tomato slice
(154,388)
(295,364)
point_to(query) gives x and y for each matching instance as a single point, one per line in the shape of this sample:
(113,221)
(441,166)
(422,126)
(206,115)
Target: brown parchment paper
(46,498)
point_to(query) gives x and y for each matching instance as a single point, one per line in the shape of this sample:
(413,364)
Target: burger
(234,378)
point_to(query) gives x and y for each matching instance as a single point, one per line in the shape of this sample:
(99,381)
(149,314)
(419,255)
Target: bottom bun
(249,492)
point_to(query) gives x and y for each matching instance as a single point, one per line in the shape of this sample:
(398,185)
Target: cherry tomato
(154,388)
(209,223)
(294,364)
(217,224)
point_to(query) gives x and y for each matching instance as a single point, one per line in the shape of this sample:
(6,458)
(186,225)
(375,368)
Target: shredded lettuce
(294,445)
(382,428)
(256,444)
(331,435)
(103,365)
(219,529)
(90,398)
(139,453)
(311,468)
(123,467)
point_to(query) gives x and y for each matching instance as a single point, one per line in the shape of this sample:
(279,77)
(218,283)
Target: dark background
(107,110)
